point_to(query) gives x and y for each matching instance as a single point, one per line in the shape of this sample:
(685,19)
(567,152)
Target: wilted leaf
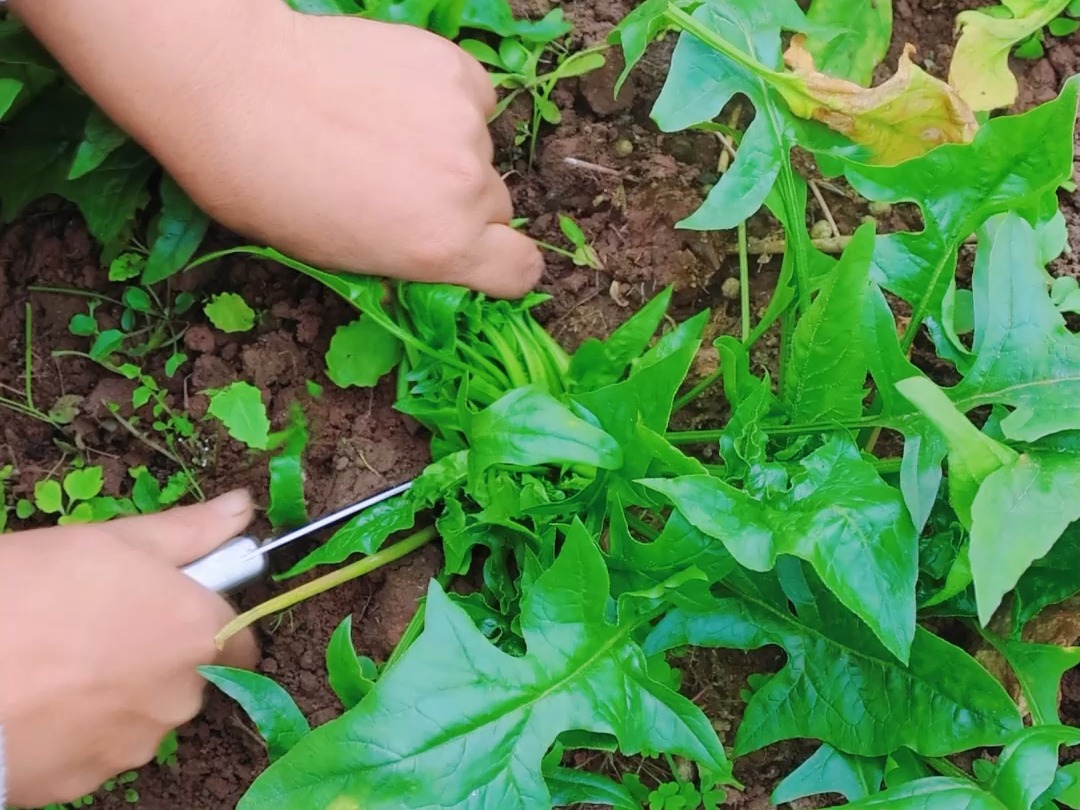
(900,119)
(980,64)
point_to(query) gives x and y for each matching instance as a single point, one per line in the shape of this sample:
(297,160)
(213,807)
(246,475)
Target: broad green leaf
(1039,669)
(571,787)
(35,155)
(1068,792)
(700,83)
(1025,356)
(840,685)
(825,378)
(48,497)
(1051,580)
(1027,765)
(932,793)
(840,517)
(361,352)
(363,534)
(240,408)
(597,362)
(287,506)
(634,33)
(229,312)
(832,771)
(179,231)
(865,31)
(647,396)
(528,427)
(972,454)
(326,6)
(980,64)
(497,17)
(84,484)
(475,736)
(1018,515)
(270,708)
(101,137)
(352,676)
(996,172)
(9,91)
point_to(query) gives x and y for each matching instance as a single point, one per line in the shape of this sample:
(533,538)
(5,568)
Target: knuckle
(443,251)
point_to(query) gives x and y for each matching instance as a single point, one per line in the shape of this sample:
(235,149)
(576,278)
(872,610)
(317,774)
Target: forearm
(155,67)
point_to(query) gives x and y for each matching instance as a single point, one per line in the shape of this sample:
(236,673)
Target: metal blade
(332,518)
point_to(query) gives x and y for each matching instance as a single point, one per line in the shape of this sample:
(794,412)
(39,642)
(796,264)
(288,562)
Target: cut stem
(325,583)
(744,283)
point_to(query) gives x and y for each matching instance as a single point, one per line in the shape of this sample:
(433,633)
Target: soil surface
(608,167)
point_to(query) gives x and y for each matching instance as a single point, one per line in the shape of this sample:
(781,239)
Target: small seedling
(230,313)
(583,254)
(519,67)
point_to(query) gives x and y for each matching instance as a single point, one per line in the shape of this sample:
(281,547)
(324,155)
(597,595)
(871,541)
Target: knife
(242,560)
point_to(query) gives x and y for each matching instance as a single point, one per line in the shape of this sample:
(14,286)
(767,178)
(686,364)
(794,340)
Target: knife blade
(242,560)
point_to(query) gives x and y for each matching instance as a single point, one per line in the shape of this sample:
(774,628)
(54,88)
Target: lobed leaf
(840,517)
(475,737)
(840,685)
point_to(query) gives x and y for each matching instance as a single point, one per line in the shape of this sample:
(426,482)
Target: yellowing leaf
(980,65)
(900,119)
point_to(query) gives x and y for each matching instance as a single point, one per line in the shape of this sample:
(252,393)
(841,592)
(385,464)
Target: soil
(607,166)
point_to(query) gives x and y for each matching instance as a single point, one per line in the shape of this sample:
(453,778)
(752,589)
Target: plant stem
(946,768)
(94,296)
(744,283)
(28,358)
(325,583)
(697,390)
(700,436)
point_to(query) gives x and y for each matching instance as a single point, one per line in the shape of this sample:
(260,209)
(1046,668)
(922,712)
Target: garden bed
(626,185)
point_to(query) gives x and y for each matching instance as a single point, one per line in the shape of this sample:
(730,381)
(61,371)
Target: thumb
(187,533)
(505,263)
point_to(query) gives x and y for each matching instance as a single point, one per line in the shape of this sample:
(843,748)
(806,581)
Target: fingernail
(232,504)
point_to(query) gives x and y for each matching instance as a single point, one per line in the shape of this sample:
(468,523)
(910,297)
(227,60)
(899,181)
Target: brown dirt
(628,208)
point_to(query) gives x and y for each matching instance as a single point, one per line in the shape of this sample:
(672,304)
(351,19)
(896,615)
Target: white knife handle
(230,566)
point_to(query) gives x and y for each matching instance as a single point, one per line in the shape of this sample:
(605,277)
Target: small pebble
(731,288)
(624,147)
(880,209)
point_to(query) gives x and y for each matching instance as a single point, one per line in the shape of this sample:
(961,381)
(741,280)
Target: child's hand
(352,144)
(100,638)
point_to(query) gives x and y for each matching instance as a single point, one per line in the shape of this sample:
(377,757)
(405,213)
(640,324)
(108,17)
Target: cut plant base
(604,434)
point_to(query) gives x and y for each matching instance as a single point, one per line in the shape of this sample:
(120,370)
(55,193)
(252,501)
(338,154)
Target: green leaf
(700,83)
(173,363)
(832,771)
(527,427)
(352,677)
(106,343)
(229,312)
(979,69)
(84,484)
(83,325)
(932,793)
(950,703)
(597,363)
(972,454)
(1033,498)
(101,137)
(825,378)
(9,91)
(35,158)
(1039,669)
(48,497)
(137,299)
(1025,356)
(840,517)
(492,728)
(570,787)
(363,534)
(361,352)
(1026,768)
(126,266)
(634,33)
(996,172)
(270,708)
(81,513)
(24,509)
(287,506)
(179,232)
(1051,580)
(865,31)
(1068,793)
(240,408)
(1063,27)
(326,6)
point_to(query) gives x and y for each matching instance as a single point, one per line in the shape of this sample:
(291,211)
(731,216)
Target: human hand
(355,145)
(100,638)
